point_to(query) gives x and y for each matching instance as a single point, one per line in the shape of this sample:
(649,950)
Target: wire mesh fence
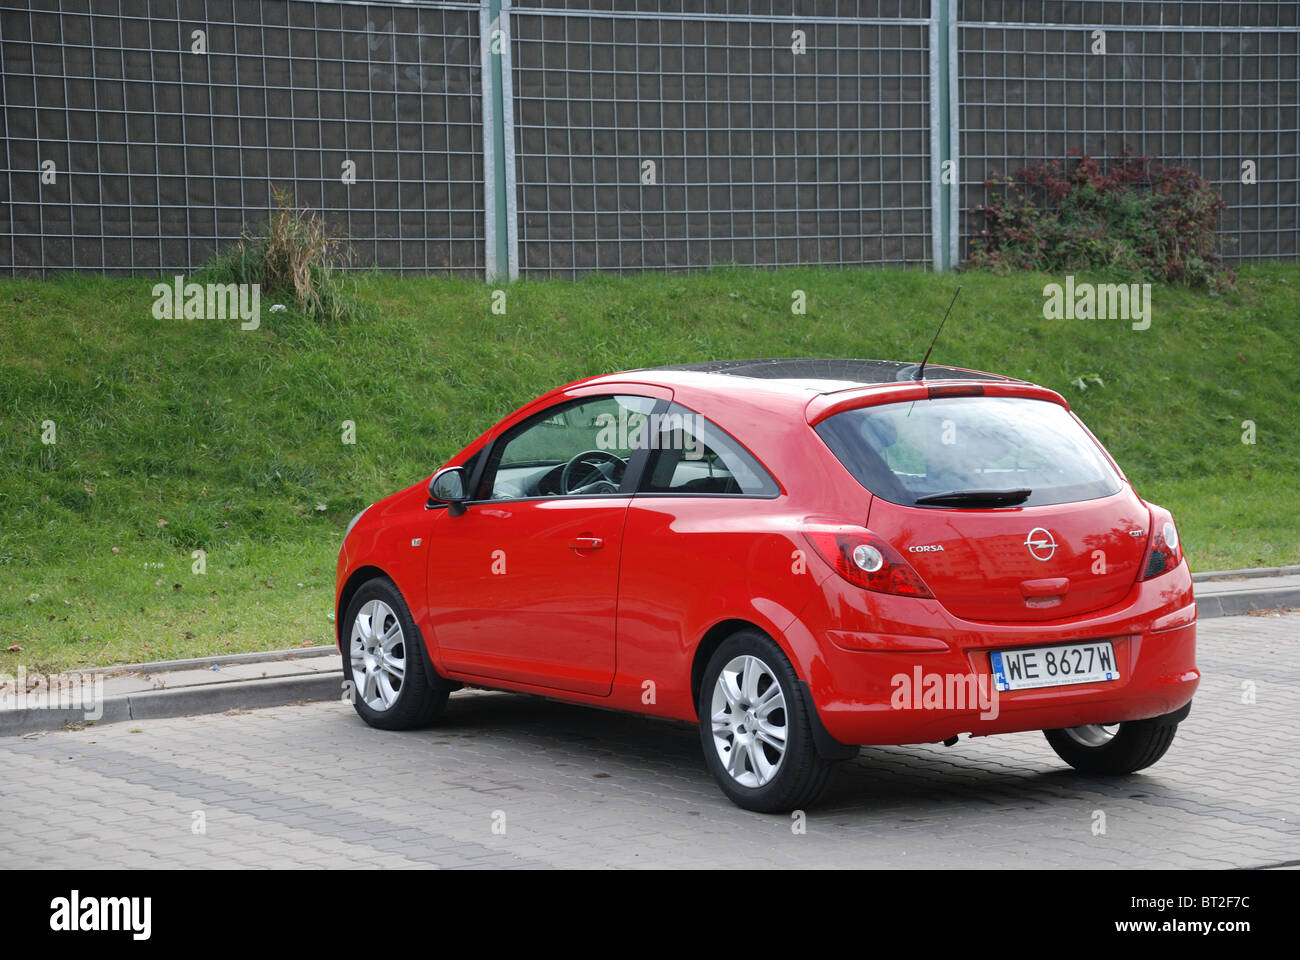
(550,137)
(656,140)
(144,136)
(1210,86)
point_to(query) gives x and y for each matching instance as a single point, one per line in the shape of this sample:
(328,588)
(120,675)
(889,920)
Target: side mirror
(448,486)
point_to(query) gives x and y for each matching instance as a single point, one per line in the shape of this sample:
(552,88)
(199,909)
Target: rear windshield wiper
(970,498)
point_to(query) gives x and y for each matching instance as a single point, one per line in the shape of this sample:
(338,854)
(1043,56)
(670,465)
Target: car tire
(754,776)
(397,690)
(1113,749)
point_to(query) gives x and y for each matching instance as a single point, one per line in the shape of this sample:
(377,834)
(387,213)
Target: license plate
(1054,666)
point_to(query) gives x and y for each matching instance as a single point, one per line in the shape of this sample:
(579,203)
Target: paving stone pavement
(312,786)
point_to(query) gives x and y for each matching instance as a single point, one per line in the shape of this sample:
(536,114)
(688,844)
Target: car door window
(578,448)
(690,454)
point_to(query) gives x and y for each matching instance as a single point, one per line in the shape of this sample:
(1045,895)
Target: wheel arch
(354,582)
(827,746)
(712,639)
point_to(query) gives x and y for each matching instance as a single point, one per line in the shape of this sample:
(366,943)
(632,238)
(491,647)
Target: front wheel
(756,729)
(393,686)
(1113,749)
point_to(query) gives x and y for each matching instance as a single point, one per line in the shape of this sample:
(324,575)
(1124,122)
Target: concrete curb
(1231,593)
(182,701)
(239,695)
(203,663)
(1248,573)
(1242,602)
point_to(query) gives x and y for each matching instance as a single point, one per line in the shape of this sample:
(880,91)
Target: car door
(523,585)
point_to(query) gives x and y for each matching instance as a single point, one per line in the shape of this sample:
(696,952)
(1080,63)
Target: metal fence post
(501,243)
(954,135)
(945,184)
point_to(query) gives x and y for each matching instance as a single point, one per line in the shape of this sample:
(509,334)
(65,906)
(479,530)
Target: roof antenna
(920,374)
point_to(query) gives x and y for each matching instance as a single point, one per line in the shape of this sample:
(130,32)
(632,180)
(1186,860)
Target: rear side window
(692,455)
(905,452)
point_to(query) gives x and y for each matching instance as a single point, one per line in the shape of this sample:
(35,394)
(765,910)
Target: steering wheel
(604,471)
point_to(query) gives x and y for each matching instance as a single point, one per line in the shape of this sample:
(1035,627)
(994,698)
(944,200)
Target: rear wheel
(1113,748)
(393,686)
(755,727)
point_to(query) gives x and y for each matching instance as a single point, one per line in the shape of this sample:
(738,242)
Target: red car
(801,556)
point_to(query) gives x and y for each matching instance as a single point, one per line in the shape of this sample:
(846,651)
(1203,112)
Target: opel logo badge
(1040,543)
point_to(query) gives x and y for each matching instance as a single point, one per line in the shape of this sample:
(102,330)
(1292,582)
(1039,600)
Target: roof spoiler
(827,405)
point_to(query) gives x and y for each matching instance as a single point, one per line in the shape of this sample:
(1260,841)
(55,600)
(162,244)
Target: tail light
(866,560)
(1163,550)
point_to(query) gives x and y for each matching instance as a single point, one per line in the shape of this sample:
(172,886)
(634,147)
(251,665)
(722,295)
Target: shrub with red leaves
(1132,216)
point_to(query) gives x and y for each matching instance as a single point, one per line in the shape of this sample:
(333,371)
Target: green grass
(179,435)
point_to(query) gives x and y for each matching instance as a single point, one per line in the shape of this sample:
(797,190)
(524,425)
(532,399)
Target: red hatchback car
(801,556)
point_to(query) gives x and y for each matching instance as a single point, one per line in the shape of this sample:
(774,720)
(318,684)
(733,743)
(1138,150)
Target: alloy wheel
(1093,734)
(378,653)
(749,721)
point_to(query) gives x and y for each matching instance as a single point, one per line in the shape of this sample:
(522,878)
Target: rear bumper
(892,670)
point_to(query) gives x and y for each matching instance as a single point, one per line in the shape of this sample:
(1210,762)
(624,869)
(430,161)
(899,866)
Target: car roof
(809,375)
(787,395)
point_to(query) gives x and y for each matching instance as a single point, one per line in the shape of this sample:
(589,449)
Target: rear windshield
(908,451)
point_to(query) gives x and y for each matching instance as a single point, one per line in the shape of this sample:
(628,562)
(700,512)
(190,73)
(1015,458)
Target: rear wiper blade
(996,498)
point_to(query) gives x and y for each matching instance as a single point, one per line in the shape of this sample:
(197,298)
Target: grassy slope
(233,438)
